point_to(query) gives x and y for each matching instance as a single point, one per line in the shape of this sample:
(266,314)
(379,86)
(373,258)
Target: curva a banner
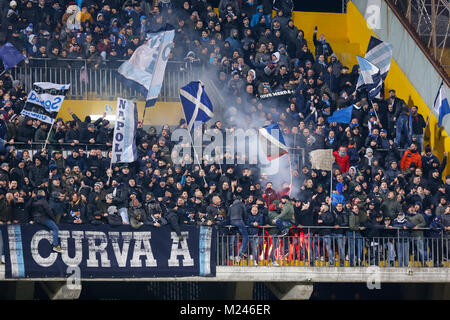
(109,252)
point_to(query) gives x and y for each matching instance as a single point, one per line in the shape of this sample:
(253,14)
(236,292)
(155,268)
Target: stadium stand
(389,201)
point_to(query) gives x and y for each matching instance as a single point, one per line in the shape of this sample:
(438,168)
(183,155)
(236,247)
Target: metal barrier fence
(340,248)
(102,83)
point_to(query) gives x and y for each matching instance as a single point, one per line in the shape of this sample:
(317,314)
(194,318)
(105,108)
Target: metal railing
(102,82)
(427,22)
(339,247)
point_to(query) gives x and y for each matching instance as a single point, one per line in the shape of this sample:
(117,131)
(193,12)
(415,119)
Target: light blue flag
(378,53)
(147,65)
(342,115)
(371,76)
(196,103)
(441,105)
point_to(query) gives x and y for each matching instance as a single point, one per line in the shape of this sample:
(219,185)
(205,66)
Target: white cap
(12,3)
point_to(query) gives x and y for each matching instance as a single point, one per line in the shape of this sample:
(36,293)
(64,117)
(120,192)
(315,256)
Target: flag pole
(48,135)
(435,99)
(290,170)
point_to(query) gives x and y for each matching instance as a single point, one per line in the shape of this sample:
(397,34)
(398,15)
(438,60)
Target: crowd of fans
(385,179)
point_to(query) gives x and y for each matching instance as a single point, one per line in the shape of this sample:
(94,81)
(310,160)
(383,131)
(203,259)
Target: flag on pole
(147,65)
(342,115)
(272,141)
(370,74)
(378,53)
(10,56)
(441,106)
(196,103)
(124,141)
(322,159)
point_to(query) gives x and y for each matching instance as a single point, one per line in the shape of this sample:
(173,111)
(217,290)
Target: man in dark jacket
(238,216)
(340,223)
(326,219)
(42,214)
(38,174)
(418,125)
(25,132)
(254,222)
(322,46)
(375,226)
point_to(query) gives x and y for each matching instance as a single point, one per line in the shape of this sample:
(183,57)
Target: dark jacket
(40,210)
(341,219)
(252,230)
(326,219)
(236,212)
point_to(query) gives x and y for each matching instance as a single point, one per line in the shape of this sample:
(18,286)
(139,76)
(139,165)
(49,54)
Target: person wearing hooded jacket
(238,216)
(337,195)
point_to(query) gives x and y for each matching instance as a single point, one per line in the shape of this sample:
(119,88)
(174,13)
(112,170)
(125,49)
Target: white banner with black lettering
(124,142)
(45,100)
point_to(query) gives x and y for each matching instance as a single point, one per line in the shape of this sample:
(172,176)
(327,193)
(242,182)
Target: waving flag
(322,159)
(441,105)
(196,104)
(378,53)
(10,56)
(342,115)
(371,76)
(45,100)
(272,141)
(147,65)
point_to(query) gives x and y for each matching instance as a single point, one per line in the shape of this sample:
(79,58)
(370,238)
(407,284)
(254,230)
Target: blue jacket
(337,196)
(252,231)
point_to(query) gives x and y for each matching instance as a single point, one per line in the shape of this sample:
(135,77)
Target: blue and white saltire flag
(272,141)
(371,76)
(147,65)
(196,104)
(124,142)
(378,53)
(10,56)
(441,106)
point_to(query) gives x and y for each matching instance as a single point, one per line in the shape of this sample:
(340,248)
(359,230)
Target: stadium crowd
(386,180)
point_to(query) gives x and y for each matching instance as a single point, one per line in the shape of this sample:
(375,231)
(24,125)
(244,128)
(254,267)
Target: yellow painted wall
(396,79)
(162,113)
(335,27)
